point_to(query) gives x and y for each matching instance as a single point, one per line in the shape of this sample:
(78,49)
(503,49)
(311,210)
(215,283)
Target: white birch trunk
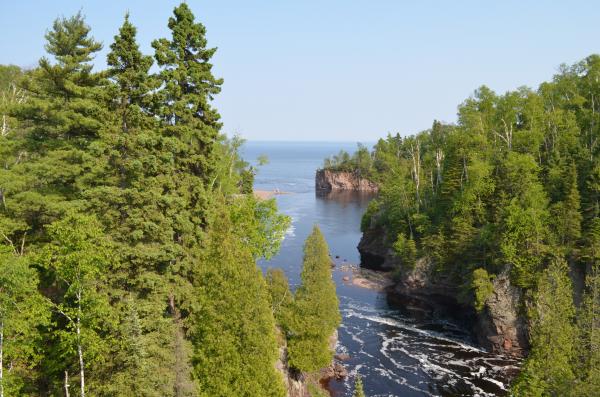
(416,158)
(67,384)
(79,348)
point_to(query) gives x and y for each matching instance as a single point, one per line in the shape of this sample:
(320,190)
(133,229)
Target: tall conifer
(316,308)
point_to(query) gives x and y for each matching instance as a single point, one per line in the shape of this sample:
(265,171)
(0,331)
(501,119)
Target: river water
(399,347)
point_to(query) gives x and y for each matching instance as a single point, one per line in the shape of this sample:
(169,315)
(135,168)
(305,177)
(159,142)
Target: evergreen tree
(140,154)
(234,340)
(128,68)
(548,369)
(188,87)
(567,212)
(524,219)
(358,387)
(282,299)
(64,117)
(133,202)
(588,318)
(587,368)
(316,312)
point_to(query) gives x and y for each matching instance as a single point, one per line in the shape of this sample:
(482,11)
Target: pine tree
(316,313)
(64,118)
(188,87)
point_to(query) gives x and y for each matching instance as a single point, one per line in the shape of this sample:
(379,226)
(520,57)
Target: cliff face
(327,180)
(500,327)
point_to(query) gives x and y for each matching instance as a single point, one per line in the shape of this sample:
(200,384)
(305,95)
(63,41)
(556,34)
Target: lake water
(400,348)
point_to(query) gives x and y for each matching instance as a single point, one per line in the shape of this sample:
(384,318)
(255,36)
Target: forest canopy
(129,230)
(513,186)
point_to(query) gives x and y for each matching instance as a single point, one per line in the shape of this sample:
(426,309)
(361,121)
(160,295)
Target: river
(399,347)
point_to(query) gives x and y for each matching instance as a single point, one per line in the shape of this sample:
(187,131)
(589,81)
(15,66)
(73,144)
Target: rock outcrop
(327,180)
(501,327)
(375,252)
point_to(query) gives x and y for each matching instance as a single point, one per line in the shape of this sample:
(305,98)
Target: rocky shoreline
(500,327)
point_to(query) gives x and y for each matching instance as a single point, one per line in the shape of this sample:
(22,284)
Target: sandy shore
(365,278)
(267,194)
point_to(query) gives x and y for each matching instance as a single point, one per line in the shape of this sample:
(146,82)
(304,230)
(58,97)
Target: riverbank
(366,278)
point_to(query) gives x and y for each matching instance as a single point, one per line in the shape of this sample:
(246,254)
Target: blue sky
(338,70)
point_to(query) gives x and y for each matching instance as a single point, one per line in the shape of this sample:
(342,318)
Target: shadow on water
(346,197)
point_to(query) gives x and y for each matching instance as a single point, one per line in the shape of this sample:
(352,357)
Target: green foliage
(23,311)
(188,85)
(234,340)
(78,257)
(513,186)
(359,162)
(129,68)
(316,313)
(282,299)
(587,367)
(125,291)
(482,287)
(262,226)
(365,222)
(358,387)
(548,370)
(406,250)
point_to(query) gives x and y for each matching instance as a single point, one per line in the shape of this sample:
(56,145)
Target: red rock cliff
(326,180)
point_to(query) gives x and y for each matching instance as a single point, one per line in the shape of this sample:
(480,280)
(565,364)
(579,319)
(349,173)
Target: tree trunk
(439,157)
(4,126)
(79,348)
(67,384)
(416,159)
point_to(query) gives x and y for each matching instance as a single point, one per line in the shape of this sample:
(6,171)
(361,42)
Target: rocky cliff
(501,327)
(327,180)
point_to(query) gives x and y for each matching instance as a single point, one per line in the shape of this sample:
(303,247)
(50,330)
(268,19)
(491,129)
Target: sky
(341,70)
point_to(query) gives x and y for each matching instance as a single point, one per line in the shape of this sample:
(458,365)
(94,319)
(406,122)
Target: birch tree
(77,257)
